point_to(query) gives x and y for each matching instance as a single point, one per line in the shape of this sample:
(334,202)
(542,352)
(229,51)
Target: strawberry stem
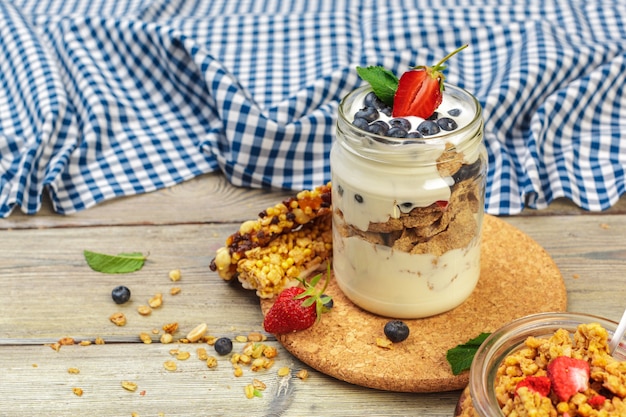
(327,278)
(451,54)
(311,295)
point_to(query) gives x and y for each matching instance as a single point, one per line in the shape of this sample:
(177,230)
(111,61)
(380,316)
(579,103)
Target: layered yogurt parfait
(408,200)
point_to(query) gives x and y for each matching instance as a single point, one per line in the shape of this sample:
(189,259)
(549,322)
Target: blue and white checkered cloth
(105,98)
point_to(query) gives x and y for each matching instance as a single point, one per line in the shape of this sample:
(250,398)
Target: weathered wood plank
(49,291)
(591,254)
(36,382)
(205,199)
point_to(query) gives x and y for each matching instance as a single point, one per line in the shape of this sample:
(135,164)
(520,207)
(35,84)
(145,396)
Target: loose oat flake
(175,275)
(129,386)
(119,319)
(170,365)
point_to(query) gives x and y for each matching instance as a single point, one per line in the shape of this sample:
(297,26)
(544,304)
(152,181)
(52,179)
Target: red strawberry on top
(568,376)
(539,384)
(297,308)
(420,90)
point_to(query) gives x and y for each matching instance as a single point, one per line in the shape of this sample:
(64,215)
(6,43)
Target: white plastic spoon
(619,333)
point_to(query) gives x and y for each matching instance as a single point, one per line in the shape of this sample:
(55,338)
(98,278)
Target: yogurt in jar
(407,212)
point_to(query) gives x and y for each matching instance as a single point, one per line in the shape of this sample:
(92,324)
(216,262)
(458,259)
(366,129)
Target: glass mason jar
(407,213)
(479,397)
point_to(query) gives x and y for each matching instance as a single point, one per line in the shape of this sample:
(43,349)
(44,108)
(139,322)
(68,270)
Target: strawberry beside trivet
(298,308)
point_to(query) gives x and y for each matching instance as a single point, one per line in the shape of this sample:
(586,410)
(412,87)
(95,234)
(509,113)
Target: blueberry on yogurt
(396,132)
(368,113)
(361,123)
(375,117)
(447,124)
(378,128)
(372,100)
(428,128)
(400,122)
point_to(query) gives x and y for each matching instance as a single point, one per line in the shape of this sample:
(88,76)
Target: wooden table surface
(49,292)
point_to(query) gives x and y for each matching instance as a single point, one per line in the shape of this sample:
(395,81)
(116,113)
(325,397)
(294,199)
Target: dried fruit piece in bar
(285,242)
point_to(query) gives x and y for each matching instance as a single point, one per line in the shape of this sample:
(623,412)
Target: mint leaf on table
(384,82)
(460,357)
(115,264)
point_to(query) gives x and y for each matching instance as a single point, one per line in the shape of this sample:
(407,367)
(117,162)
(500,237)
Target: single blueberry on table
(223,346)
(120,294)
(447,124)
(358,198)
(428,128)
(396,331)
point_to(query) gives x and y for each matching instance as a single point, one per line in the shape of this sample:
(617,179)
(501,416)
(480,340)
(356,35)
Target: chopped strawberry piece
(442,204)
(539,384)
(568,376)
(597,401)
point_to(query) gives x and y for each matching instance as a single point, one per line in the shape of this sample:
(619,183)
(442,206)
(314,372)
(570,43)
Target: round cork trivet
(517,278)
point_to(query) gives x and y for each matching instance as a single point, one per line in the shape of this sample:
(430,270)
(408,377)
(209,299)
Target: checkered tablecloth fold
(106,98)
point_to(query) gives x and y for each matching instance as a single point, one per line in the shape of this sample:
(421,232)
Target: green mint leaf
(384,82)
(115,264)
(460,357)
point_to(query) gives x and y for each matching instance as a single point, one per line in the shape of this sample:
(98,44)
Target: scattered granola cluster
(254,355)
